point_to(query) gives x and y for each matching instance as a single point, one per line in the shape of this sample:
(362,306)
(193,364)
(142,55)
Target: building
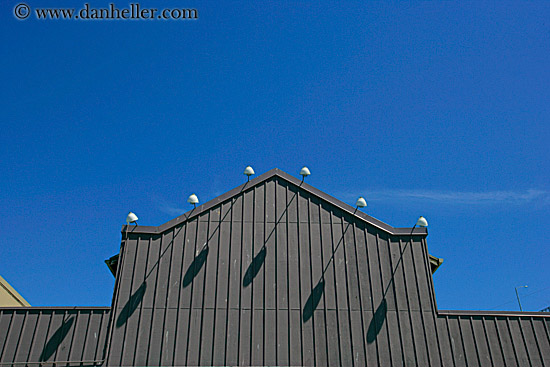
(9,296)
(274,272)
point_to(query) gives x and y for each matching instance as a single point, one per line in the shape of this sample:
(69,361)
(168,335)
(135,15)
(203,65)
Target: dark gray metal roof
(490,339)
(239,281)
(277,273)
(40,335)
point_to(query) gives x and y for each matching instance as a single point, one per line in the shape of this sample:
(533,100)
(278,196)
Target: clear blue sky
(439,109)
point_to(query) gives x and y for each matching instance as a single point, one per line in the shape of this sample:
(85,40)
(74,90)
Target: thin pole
(519,302)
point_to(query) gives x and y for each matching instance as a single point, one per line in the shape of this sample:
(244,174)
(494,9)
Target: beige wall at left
(9,296)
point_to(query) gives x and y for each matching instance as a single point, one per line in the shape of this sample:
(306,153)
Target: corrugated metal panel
(277,273)
(491,340)
(274,272)
(273,275)
(46,335)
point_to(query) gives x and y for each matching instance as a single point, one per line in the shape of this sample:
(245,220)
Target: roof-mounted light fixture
(304,172)
(422,222)
(249,171)
(131,218)
(361,202)
(193,199)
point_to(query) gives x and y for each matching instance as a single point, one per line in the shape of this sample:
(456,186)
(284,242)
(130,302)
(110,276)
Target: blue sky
(439,109)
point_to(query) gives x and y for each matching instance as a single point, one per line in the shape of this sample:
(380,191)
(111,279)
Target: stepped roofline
(348,209)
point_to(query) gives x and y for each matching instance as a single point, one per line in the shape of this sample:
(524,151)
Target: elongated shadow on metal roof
(259,259)
(195,266)
(380,315)
(131,306)
(254,267)
(163,252)
(56,339)
(313,300)
(377,321)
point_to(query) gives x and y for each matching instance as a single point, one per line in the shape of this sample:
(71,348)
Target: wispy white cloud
(167,207)
(171,210)
(462,197)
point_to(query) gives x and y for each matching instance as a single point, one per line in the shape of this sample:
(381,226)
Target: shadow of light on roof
(377,321)
(254,267)
(132,304)
(313,300)
(195,266)
(56,339)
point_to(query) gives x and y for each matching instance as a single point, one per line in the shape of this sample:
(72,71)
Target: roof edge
(418,231)
(60,308)
(492,313)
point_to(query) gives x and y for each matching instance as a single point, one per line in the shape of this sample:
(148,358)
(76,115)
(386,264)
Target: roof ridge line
(290,179)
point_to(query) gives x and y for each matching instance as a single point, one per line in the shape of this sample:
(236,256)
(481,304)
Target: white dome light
(305,172)
(361,202)
(193,199)
(131,218)
(422,222)
(249,171)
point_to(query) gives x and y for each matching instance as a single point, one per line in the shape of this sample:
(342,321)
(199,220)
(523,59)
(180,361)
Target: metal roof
(41,335)
(239,281)
(276,272)
(493,339)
